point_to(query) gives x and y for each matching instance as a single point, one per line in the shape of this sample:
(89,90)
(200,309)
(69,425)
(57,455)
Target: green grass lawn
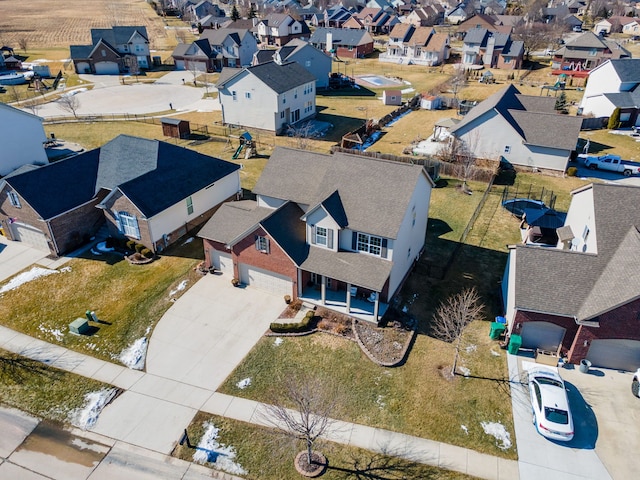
(43,391)
(265,455)
(601,142)
(129,298)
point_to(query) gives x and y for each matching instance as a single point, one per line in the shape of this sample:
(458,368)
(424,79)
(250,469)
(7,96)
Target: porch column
(323,290)
(299,280)
(348,298)
(376,306)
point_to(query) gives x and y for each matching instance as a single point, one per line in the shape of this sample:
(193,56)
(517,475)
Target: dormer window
(322,236)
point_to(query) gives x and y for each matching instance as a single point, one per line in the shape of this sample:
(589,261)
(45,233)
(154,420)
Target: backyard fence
(592,123)
(530,192)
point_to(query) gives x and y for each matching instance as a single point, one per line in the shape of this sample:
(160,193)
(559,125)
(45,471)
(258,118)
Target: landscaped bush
(139,247)
(572,171)
(131,245)
(145,252)
(301,326)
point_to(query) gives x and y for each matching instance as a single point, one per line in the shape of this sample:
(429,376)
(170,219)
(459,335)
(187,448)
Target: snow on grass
(57,333)
(25,277)
(494,353)
(86,417)
(181,286)
(471,348)
(102,247)
(133,356)
(407,90)
(188,241)
(244,383)
(498,431)
(465,371)
(464,429)
(209,450)
(278,341)
(380,402)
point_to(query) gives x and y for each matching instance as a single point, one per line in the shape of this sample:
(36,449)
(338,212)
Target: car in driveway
(635,383)
(550,405)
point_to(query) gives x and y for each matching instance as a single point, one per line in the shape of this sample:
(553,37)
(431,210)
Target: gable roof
(217,36)
(234,219)
(628,69)
(118,35)
(153,174)
(374,193)
(587,40)
(341,36)
(585,285)
(279,78)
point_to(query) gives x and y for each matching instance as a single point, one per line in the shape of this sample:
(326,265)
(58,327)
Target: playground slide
(235,155)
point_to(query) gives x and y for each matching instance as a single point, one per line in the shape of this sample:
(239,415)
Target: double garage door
(265,280)
(30,236)
(107,68)
(617,354)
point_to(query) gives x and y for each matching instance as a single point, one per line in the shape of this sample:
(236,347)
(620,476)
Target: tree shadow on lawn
(384,466)
(347,92)
(341,125)
(594,147)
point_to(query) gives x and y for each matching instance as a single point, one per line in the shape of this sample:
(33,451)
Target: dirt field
(46,24)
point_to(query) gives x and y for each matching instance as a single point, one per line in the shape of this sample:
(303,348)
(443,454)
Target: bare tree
(69,103)
(452,317)
(301,135)
(313,401)
(23,43)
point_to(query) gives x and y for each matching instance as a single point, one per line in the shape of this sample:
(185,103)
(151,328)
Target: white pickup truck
(611,162)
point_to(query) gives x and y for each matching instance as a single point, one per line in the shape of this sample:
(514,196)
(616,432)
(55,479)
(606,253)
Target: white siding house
(23,139)
(267,96)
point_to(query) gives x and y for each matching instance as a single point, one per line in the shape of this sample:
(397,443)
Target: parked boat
(12,78)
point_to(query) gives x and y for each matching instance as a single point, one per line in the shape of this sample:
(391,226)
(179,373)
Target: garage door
(83,67)
(618,354)
(30,235)
(222,261)
(265,280)
(107,68)
(542,335)
(180,65)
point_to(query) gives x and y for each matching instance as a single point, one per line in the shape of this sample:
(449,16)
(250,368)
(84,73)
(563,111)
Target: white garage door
(618,354)
(222,261)
(264,280)
(30,235)
(543,335)
(107,68)
(180,65)
(83,67)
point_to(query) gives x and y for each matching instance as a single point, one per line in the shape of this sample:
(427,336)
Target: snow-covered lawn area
(29,276)
(209,450)
(86,416)
(500,433)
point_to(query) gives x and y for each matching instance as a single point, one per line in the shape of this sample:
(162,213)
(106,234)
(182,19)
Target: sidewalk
(155,400)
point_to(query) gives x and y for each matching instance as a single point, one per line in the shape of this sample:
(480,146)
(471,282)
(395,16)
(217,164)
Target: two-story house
(374,20)
(491,49)
(582,298)
(23,139)
(216,49)
(338,230)
(268,96)
(416,45)
(279,28)
(614,84)
(343,42)
(426,15)
(586,52)
(316,62)
(112,51)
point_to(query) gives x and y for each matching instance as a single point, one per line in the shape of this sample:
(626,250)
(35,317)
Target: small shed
(175,127)
(392,97)
(430,102)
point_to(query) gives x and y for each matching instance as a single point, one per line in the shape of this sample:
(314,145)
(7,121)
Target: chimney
(329,42)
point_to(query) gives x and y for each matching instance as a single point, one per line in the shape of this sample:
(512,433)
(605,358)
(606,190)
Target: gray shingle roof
(587,40)
(117,35)
(264,56)
(374,194)
(232,220)
(80,51)
(341,36)
(628,69)
(154,175)
(279,78)
(586,285)
(624,99)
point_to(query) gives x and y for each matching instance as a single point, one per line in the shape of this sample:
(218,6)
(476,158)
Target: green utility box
(515,342)
(79,326)
(497,329)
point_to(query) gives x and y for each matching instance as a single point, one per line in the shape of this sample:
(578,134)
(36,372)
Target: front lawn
(128,299)
(265,455)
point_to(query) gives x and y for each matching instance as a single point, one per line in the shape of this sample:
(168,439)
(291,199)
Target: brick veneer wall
(569,324)
(24,214)
(74,227)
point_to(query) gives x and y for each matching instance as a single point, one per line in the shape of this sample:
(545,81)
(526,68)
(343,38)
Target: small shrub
(341,329)
(131,245)
(287,299)
(572,171)
(145,252)
(139,247)
(301,326)
(235,282)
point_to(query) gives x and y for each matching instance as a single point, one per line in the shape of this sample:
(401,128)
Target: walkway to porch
(336,300)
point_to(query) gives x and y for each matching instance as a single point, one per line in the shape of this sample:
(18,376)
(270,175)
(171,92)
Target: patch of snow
(209,450)
(399,117)
(380,402)
(405,309)
(465,371)
(406,82)
(464,429)
(133,356)
(498,431)
(244,383)
(188,240)
(96,252)
(471,348)
(57,333)
(25,277)
(86,417)
(278,341)
(408,90)
(65,269)
(102,247)
(181,286)
(494,353)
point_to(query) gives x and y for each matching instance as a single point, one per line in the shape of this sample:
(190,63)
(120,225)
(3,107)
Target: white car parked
(550,405)
(635,383)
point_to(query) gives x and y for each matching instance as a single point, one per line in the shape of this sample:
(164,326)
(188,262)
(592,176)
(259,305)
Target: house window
(593,52)
(189,206)
(369,244)
(282,114)
(507,149)
(262,244)
(409,253)
(585,234)
(247,95)
(307,63)
(13,198)
(234,94)
(103,52)
(129,225)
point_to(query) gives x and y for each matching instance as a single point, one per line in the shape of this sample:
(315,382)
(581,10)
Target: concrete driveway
(209,330)
(603,411)
(16,256)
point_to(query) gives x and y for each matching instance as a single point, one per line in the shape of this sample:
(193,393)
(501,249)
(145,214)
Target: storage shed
(176,128)
(430,102)
(392,97)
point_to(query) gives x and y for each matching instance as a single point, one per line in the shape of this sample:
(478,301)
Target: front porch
(337,300)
